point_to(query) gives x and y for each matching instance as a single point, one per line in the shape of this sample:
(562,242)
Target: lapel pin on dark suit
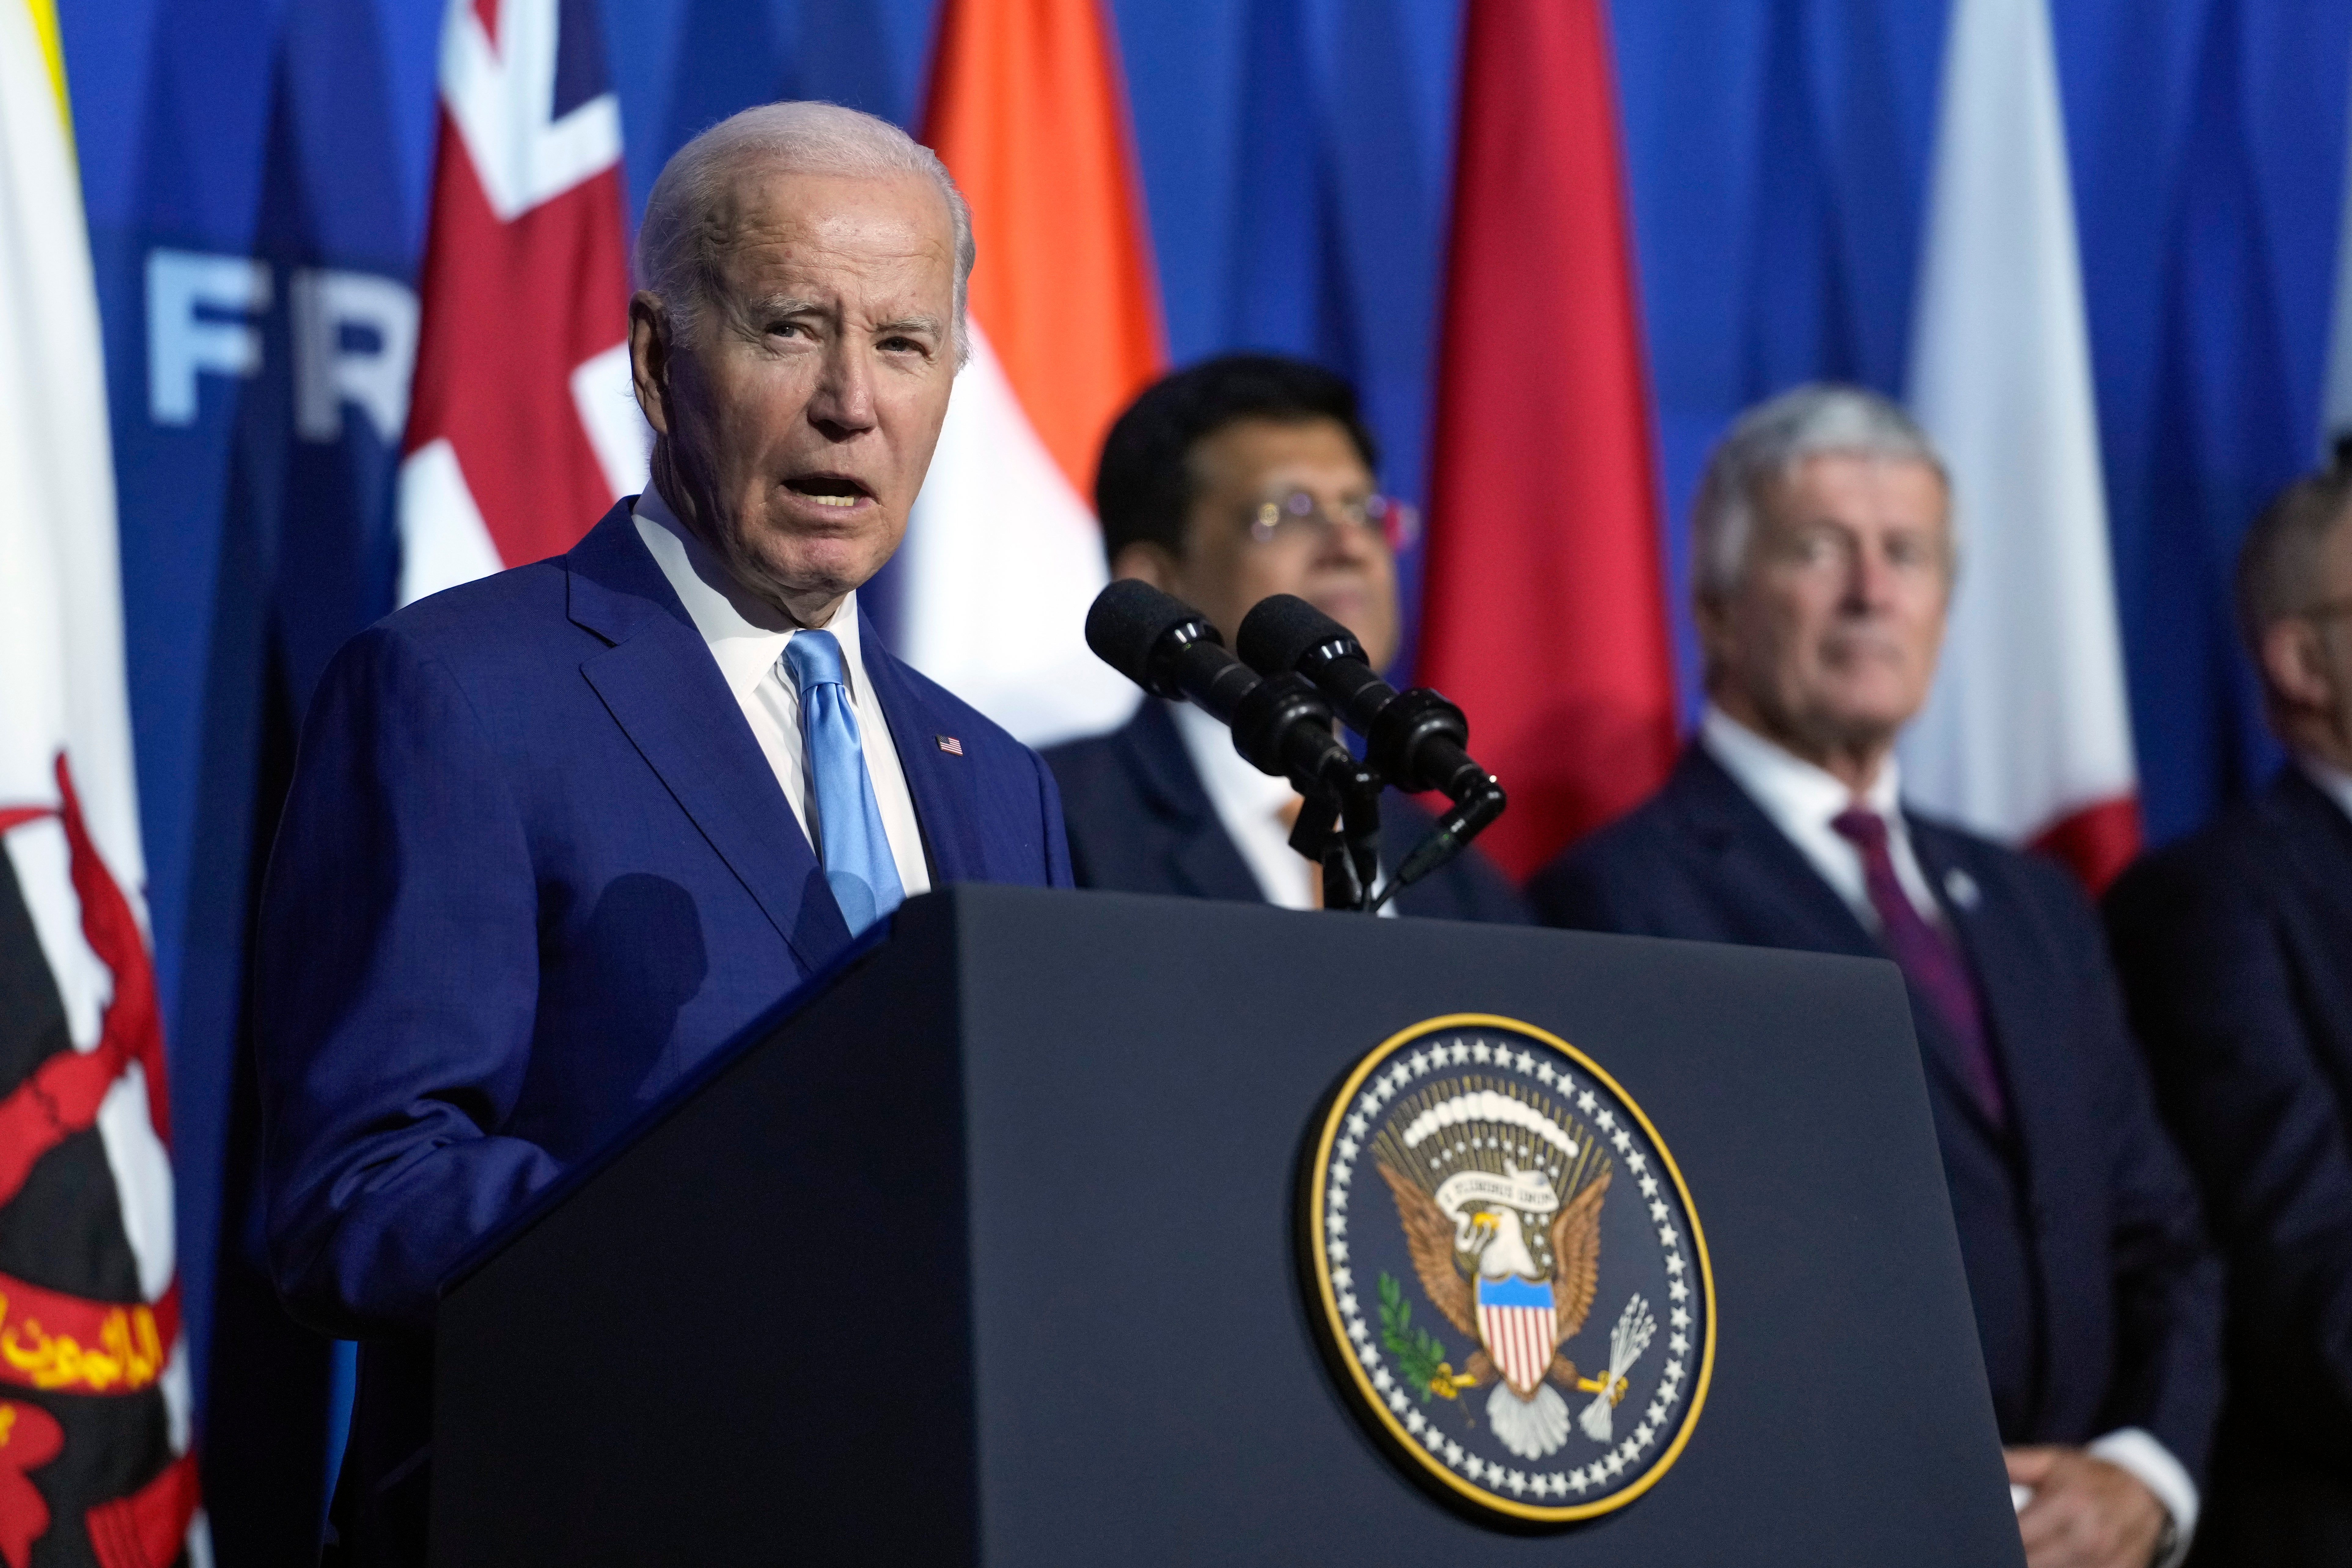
(1961,889)
(950,745)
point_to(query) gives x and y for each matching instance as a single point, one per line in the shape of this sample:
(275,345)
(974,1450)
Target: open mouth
(837,490)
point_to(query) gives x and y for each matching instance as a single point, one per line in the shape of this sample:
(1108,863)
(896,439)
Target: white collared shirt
(2332,782)
(1255,809)
(1803,800)
(1251,805)
(746,637)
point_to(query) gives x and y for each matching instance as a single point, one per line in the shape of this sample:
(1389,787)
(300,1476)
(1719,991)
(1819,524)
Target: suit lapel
(2321,834)
(1776,895)
(942,783)
(664,689)
(1201,859)
(1783,900)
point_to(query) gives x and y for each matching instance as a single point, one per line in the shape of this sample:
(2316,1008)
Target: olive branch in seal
(1420,1354)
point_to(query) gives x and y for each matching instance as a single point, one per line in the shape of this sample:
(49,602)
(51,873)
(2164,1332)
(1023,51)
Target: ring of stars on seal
(1505,1271)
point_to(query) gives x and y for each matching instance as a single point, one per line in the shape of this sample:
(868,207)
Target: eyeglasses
(1297,515)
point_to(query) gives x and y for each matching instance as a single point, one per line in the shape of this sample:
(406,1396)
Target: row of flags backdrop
(357,266)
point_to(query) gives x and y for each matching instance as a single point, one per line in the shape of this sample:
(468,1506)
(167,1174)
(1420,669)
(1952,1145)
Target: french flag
(521,429)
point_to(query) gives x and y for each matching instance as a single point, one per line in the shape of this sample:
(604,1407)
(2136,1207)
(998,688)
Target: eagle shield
(1520,1327)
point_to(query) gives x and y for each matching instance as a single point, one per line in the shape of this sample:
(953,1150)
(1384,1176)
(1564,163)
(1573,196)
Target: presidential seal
(1509,1278)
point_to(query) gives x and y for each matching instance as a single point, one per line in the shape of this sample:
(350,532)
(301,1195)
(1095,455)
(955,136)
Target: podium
(986,1249)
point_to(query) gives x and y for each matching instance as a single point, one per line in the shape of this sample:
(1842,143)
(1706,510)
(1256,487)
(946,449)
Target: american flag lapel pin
(950,745)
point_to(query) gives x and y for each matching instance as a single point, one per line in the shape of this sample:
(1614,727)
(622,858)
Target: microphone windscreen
(1281,629)
(1127,622)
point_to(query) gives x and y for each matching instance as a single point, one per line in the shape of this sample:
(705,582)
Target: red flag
(521,429)
(1545,609)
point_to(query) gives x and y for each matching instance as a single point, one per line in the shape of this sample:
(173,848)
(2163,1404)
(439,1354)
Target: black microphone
(1415,738)
(1281,726)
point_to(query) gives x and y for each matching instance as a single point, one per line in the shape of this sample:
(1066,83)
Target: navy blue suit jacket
(2096,1301)
(533,867)
(1140,821)
(2235,947)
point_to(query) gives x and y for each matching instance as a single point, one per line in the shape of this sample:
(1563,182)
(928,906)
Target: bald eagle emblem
(1474,1243)
(1517,1185)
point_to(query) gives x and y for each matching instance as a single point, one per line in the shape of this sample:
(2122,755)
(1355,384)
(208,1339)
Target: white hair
(677,244)
(1773,438)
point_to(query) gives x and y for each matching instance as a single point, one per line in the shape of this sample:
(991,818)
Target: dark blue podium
(985,1251)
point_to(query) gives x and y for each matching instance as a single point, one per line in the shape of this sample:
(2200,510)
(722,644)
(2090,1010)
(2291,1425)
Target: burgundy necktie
(1932,964)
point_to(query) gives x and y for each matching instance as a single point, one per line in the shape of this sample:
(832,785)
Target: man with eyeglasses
(1237,478)
(2236,951)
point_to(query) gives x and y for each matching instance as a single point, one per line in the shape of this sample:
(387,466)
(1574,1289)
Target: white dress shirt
(746,637)
(1801,799)
(1251,805)
(1255,809)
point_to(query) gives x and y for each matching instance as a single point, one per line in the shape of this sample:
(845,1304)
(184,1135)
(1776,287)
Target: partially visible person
(1824,560)
(556,836)
(2235,947)
(1238,479)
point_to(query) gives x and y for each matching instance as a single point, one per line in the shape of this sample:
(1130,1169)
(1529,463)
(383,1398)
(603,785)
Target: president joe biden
(556,835)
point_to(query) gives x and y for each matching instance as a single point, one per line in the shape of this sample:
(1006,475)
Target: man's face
(1828,641)
(1342,568)
(801,409)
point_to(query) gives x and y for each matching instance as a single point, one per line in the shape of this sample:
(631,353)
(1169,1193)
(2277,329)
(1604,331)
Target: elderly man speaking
(556,835)
(1826,561)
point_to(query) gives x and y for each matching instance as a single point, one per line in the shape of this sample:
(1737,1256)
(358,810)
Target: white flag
(1002,559)
(2027,736)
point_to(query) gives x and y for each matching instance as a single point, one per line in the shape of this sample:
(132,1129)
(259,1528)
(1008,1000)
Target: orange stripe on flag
(1027,110)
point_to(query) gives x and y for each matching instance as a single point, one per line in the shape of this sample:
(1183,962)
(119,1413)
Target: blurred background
(1764,171)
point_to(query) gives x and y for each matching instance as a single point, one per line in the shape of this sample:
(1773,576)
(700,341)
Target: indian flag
(1002,554)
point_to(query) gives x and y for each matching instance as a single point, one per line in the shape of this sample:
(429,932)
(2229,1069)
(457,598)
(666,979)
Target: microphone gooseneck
(1282,725)
(1415,738)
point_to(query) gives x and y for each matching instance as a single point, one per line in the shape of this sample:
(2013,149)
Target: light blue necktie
(850,840)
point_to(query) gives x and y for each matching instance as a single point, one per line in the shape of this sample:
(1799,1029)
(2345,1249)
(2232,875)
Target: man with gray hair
(2235,946)
(555,836)
(1824,561)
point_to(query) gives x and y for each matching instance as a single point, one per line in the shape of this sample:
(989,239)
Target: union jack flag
(522,428)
